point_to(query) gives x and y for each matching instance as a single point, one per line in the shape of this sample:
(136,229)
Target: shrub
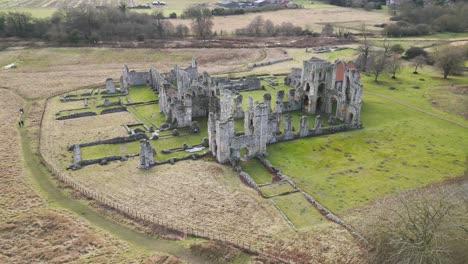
(397,48)
(414,52)
(173,15)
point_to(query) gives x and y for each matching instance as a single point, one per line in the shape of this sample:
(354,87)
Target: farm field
(312,19)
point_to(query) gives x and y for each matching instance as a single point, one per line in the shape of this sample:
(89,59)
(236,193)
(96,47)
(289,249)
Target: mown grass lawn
(399,149)
(299,211)
(141,93)
(277,188)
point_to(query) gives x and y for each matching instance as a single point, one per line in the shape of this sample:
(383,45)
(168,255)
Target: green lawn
(398,149)
(276,188)
(148,114)
(299,211)
(419,90)
(141,93)
(256,170)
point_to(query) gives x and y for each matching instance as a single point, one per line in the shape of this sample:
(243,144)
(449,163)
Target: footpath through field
(44,180)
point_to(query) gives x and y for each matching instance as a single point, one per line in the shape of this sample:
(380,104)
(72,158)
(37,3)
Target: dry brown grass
(42,72)
(326,243)
(312,19)
(30,232)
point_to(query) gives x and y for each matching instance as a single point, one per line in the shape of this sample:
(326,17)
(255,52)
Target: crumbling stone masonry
(331,89)
(323,87)
(146,154)
(110,87)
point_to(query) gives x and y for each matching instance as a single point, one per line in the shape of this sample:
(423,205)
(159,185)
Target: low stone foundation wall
(114,110)
(135,137)
(247,179)
(76,115)
(319,132)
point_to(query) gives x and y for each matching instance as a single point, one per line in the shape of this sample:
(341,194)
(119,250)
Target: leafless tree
(328,30)
(202,21)
(394,65)
(365,48)
(255,27)
(269,27)
(450,60)
(418,62)
(429,228)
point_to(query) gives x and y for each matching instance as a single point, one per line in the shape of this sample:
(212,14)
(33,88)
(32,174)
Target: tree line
(89,25)
(415,17)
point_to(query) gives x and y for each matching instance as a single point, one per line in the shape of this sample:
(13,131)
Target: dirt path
(418,109)
(42,178)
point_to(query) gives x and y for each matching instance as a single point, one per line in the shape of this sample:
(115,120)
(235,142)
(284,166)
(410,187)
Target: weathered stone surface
(110,87)
(76,115)
(146,155)
(323,87)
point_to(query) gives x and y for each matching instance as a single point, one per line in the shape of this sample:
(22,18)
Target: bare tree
(328,30)
(418,62)
(18,23)
(394,65)
(269,28)
(365,48)
(428,227)
(255,27)
(450,60)
(202,21)
(378,62)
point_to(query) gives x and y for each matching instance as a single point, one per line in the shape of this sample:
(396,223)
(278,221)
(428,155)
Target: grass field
(299,211)
(399,148)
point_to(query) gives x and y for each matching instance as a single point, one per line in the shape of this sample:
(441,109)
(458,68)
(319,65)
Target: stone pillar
(261,129)
(226,109)
(110,87)
(278,111)
(248,117)
(304,126)
(288,127)
(238,111)
(146,155)
(267,101)
(318,125)
(224,133)
(212,132)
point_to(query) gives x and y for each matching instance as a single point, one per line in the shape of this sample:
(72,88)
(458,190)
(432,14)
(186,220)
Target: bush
(173,15)
(397,48)
(414,52)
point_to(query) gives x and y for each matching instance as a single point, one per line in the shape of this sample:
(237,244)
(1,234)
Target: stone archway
(334,106)
(350,118)
(319,105)
(321,89)
(306,101)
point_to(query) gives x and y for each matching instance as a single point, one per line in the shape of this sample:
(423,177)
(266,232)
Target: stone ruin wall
(319,87)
